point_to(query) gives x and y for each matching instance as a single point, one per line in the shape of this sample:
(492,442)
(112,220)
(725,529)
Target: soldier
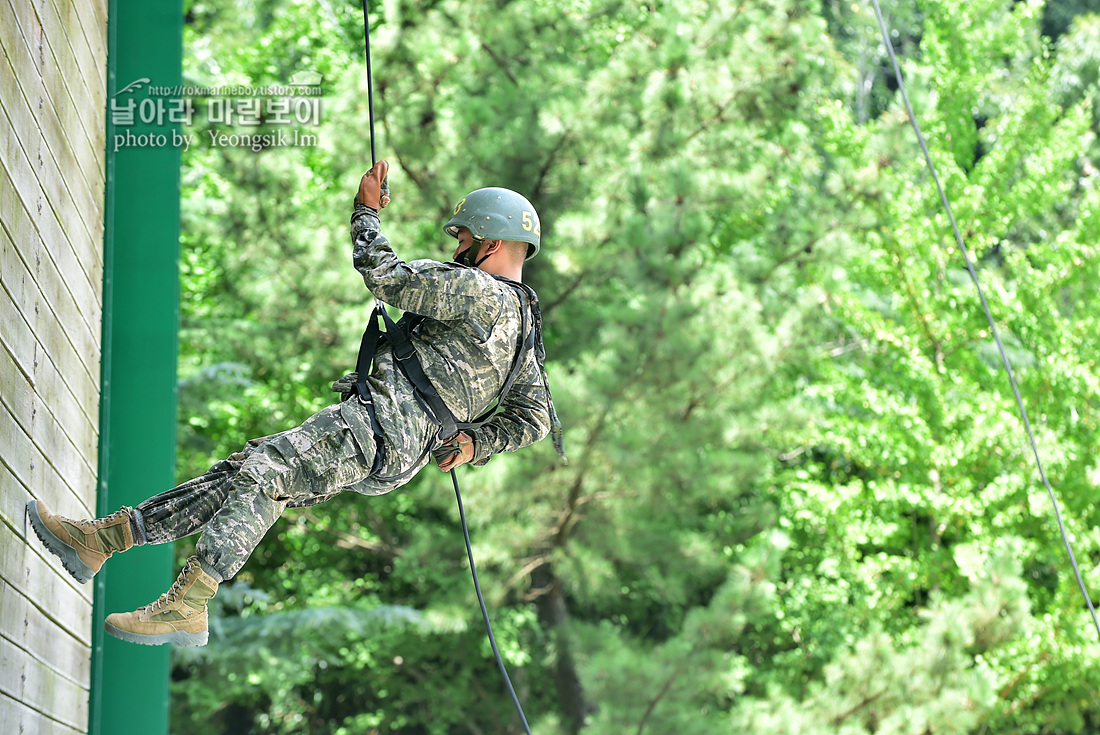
(460,377)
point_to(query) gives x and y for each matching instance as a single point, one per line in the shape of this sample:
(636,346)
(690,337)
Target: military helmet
(495,213)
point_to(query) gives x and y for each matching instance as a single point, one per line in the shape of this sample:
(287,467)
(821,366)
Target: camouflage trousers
(240,498)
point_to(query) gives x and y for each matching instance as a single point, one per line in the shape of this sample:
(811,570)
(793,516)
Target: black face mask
(469,254)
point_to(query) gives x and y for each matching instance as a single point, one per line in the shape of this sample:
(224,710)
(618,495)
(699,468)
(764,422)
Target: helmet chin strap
(464,257)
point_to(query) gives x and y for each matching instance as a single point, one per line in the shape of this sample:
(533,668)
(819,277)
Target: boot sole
(72,562)
(177,637)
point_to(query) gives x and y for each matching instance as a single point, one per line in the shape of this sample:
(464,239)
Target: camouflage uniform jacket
(466,345)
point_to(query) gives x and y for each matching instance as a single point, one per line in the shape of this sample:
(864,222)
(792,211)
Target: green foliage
(799,498)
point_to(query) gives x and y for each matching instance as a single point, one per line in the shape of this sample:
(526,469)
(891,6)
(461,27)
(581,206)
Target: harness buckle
(403,351)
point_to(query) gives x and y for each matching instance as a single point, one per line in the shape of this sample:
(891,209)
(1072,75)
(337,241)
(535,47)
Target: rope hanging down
(484,611)
(988,313)
(454,477)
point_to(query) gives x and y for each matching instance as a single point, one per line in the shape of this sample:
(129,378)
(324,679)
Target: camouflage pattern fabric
(466,345)
(241,497)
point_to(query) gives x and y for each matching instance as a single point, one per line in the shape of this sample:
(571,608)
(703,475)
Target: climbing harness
(409,364)
(399,334)
(988,313)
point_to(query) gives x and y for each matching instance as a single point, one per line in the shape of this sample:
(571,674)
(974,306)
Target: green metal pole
(129,687)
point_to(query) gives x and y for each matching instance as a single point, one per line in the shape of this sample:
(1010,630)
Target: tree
(797,488)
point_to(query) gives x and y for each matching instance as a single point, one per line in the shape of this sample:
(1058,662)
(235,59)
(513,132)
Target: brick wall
(52,99)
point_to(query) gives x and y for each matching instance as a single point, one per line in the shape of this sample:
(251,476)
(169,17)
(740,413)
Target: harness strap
(408,362)
(367,347)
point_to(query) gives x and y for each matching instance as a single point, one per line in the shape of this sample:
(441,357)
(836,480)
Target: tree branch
(665,688)
(564,294)
(500,62)
(346,540)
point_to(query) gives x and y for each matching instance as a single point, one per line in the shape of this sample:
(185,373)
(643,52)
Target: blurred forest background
(800,498)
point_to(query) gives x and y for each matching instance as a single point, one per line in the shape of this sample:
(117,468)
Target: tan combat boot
(179,616)
(82,545)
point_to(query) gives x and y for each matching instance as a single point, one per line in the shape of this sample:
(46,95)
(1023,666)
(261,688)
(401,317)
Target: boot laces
(99,522)
(174,591)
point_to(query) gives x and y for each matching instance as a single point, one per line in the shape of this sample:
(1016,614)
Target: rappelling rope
(454,477)
(484,611)
(988,314)
(370,85)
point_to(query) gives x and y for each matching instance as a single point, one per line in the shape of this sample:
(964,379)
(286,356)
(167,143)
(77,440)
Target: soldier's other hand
(374,188)
(459,449)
